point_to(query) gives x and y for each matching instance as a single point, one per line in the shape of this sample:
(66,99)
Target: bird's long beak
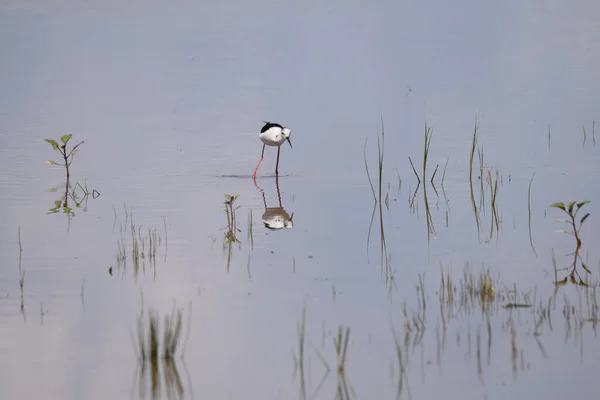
(288,139)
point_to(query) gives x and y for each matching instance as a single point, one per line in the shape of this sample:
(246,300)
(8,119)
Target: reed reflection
(156,356)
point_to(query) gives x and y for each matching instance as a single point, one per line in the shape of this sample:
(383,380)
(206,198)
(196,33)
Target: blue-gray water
(169,98)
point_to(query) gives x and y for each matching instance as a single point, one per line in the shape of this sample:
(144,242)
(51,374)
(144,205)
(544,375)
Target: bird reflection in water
(275,218)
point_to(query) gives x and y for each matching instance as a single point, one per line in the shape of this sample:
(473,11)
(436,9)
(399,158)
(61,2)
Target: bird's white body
(274,136)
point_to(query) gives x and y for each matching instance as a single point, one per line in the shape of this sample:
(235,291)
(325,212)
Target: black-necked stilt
(273,134)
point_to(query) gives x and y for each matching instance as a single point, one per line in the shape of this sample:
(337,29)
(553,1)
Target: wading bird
(273,134)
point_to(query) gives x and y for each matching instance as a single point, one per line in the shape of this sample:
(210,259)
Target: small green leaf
(570,206)
(560,205)
(586,268)
(573,279)
(581,204)
(584,218)
(582,283)
(561,282)
(50,162)
(66,138)
(54,143)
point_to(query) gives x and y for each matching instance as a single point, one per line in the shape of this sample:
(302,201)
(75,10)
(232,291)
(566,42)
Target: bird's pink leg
(259,161)
(277,164)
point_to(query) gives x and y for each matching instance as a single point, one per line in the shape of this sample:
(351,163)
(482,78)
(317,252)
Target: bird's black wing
(269,125)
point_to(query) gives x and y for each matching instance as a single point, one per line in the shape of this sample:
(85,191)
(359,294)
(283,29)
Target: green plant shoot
(62,149)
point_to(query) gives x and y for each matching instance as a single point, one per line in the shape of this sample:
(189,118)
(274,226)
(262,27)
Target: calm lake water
(169,98)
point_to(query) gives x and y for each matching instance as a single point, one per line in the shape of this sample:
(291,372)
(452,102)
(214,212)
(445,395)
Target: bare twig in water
(250,229)
(444,173)
(434,172)
(82,293)
(166,238)
(367,169)
(299,359)
(21,273)
(529,211)
(471,157)
(20,250)
(402,376)
(414,170)
(428,136)
(378,197)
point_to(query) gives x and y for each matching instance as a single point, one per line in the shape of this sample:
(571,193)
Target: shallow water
(169,99)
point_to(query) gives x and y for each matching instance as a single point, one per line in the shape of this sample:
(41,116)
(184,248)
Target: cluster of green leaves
(569,209)
(62,149)
(572,209)
(229,199)
(61,204)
